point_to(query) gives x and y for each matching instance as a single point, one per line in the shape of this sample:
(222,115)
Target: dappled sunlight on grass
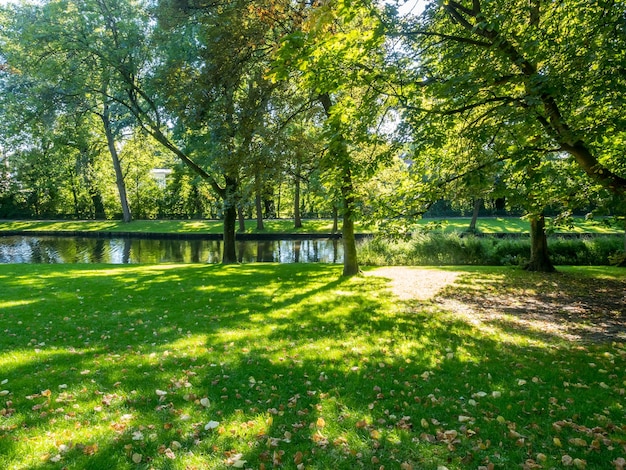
(14,303)
(59,225)
(281,365)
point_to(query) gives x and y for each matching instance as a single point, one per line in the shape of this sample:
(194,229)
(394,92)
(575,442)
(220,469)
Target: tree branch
(459,39)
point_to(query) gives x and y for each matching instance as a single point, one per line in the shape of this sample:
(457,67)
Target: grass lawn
(485,225)
(163,226)
(489,225)
(289,366)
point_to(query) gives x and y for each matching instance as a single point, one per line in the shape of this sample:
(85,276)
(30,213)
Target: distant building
(160,176)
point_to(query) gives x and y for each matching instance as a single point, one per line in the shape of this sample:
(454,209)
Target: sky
(414,7)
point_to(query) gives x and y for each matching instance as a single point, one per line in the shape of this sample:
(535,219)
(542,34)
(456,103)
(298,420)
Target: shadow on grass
(290,363)
(566,306)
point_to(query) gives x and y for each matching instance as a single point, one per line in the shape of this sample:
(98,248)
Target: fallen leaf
(90,449)
(211,425)
(175,445)
(577,441)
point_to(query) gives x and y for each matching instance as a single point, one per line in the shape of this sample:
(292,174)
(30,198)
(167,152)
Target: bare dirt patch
(410,283)
(564,305)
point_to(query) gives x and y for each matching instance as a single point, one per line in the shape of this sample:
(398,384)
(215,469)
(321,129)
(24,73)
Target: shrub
(436,248)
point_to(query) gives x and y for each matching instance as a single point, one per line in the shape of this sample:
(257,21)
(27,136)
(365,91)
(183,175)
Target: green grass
(100,365)
(163,226)
(489,225)
(485,225)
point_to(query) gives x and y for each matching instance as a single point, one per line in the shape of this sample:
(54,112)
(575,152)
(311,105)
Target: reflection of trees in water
(296,251)
(214,252)
(126,251)
(99,250)
(130,250)
(195,251)
(43,251)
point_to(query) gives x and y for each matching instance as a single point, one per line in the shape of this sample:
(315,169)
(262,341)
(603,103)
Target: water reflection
(41,249)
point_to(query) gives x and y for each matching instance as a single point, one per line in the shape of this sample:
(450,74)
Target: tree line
(378,112)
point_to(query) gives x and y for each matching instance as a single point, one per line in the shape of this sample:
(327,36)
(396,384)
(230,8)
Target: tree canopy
(380,114)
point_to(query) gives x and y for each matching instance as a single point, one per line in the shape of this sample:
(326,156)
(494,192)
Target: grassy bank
(261,366)
(485,225)
(162,226)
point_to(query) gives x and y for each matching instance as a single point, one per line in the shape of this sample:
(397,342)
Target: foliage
(506,77)
(441,249)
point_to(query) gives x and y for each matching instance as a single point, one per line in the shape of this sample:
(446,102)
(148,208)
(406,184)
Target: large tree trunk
(119,174)
(297,217)
(229,255)
(539,255)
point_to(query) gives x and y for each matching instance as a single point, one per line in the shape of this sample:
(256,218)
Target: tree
(507,79)
(70,64)
(335,51)
(215,87)
(553,71)
(36,120)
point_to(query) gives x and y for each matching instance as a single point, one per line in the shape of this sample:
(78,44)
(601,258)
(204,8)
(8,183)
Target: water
(43,249)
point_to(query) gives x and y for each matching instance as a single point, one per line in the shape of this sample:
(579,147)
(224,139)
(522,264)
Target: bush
(436,248)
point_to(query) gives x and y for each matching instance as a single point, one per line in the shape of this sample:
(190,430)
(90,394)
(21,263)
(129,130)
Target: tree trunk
(350,262)
(539,255)
(258,198)
(229,255)
(119,175)
(241,218)
(297,218)
(341,157)
(230,221)
(335,218)
(258,202)
(280,190)
(75,200)
(472,226)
